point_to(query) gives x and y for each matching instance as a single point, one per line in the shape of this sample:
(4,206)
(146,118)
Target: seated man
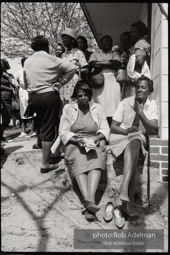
(134,117)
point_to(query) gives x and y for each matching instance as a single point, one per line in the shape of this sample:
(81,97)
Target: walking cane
(148,169)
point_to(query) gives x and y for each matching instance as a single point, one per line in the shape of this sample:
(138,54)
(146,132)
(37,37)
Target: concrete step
(19,146)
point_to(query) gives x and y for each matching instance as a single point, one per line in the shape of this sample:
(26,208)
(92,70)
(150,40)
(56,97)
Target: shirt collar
(73,50)
(40,52)
(132,101)
(147,101)
(75,105)
(106,52)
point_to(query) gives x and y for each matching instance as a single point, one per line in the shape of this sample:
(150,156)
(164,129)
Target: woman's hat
(140,52)
(71,32)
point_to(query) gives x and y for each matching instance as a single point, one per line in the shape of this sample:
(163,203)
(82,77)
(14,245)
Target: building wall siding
(144,14)
(159,66)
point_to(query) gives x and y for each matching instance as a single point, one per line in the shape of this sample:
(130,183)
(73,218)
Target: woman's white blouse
(125,113)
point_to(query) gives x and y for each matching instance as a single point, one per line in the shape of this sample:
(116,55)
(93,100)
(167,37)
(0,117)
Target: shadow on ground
(39,221)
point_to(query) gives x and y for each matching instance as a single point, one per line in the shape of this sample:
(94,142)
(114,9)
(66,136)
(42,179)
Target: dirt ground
(40,214)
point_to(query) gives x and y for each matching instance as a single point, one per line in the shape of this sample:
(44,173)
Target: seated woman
(82,120)
(134,117)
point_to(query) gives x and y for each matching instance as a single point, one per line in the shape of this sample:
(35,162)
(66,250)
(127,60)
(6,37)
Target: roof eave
(83,6)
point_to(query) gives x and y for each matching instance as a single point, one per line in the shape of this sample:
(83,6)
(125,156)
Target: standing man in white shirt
(44,75)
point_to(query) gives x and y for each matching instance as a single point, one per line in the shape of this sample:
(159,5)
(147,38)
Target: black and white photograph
(84,127)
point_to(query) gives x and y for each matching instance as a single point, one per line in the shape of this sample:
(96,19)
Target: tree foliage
(21,21)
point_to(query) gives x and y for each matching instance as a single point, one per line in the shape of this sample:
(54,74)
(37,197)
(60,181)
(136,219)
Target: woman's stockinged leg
(83,185)
(24,125)
(93,181)
(131,156)
(130,205)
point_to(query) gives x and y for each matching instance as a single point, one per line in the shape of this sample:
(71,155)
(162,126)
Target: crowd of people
(82,121)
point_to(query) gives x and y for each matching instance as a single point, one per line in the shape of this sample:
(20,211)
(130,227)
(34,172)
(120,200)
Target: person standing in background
(8,93)
(140,38)
(59,50)
(1,114)
(23,97)
(83,46)
(108,62)
(74,55)
(139,61)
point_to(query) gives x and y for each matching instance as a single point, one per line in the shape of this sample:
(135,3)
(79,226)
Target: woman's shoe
(90,215)
(119,217)
(91,206)
(31,135)
(108,212)
(22,135)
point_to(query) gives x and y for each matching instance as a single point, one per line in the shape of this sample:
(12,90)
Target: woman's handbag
(15,103)
(122,76)
(15,98)
(96,79)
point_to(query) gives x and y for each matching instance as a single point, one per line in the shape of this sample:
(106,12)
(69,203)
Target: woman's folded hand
(96,141)
(81,143)
(57,85)
(133,129)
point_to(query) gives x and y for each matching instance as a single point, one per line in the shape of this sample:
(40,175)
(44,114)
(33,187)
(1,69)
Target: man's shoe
(45,170)
(108,212)
(37,146)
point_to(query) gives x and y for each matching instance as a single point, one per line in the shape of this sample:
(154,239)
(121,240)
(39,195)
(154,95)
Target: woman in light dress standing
(23,97)
(109,95)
